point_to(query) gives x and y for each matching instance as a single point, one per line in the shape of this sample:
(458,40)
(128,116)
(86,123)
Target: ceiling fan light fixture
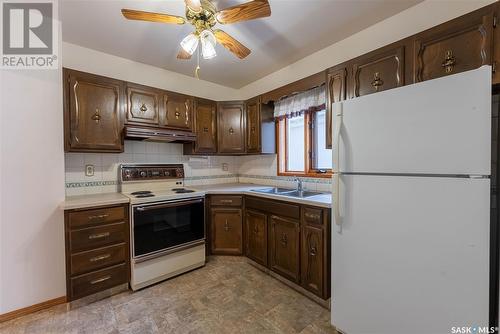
(208,43)
(190,43)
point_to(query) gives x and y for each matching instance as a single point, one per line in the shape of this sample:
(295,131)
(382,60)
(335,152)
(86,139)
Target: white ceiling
(296,28)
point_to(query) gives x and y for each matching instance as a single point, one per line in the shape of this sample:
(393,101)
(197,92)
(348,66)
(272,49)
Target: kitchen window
(302,135)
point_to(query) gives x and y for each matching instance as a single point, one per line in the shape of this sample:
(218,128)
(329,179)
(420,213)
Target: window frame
(282,151)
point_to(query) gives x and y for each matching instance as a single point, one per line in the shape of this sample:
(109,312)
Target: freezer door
(440,126)
(412,256)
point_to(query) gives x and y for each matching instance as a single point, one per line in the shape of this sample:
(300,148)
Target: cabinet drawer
(96,216)
(94,237)
(274,207)
(96,281)
(226,200)
(312,216)
(96,259)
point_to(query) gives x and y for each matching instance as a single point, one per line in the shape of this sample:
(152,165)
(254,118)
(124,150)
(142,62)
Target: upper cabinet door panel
(378,72)
(253,126)
(93,115)
(205,127)
(177,111)
(142,105)
(231,127)
(456,46)
(336,84)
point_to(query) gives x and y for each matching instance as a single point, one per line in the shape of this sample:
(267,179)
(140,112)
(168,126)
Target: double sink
(287,192)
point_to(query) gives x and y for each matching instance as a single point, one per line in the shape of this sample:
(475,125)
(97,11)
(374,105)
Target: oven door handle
(167,205)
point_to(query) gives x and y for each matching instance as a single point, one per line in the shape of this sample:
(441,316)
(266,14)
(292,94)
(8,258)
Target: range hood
(157,134)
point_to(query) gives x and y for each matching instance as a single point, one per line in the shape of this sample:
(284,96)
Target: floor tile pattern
(228,295)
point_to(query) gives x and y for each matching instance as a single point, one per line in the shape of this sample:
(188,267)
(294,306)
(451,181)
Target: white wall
(413,20)
(31,188)
(88,60)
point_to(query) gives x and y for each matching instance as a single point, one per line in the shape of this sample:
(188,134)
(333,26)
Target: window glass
(295,144)
(322,157)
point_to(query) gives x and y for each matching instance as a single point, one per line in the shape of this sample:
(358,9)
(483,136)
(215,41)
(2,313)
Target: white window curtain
(296,105)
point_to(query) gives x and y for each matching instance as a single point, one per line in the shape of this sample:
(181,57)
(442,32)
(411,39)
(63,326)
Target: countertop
(87,201)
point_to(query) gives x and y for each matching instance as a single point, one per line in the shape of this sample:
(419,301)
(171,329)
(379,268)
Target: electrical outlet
(89,170)
(225,167)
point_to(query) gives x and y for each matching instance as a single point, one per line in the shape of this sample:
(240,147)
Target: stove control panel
(151,172)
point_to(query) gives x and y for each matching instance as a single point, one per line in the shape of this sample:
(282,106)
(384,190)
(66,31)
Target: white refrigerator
(411,207)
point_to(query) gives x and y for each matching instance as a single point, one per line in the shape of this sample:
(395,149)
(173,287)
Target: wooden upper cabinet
(93,113)
(205,127)
(496,43)
(459,45)
(253,116)
(336,84)
(143,105)
(177,111)
(256,236)
(285,247)
(378,71)
(231,129)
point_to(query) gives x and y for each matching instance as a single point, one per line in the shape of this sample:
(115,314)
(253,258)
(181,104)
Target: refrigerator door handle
(338,113)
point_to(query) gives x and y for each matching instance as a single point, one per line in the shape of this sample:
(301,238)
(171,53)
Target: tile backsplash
(260,169)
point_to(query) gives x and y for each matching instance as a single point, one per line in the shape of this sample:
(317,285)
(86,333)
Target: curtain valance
(296,105)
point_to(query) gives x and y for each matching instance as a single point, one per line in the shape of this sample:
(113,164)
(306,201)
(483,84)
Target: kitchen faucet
(299,184)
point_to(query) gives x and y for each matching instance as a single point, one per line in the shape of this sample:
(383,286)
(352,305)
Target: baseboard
(31,309)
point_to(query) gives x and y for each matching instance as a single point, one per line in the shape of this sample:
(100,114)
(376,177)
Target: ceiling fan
(203,15)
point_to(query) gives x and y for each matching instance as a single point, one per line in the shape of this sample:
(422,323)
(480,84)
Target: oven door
(162,227)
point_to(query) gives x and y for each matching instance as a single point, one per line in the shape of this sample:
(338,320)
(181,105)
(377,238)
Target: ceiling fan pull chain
(197,71)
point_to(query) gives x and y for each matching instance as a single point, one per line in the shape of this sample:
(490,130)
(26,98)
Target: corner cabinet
(253,126)
(205,127)
(93,115)
(231,127)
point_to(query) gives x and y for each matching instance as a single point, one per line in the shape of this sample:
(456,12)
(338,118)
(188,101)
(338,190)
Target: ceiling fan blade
(183,54)
(231,44)
(244,12)
(152,17)
(194,5)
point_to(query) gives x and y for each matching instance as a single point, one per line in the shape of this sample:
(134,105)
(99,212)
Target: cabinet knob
(226,226)
(313,251)
(205,129)
(231,131)
(96,116)
(449,61)
(143,108)
(284,239)
(377,82)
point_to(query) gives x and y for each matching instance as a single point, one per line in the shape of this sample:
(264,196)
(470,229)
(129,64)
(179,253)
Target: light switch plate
(89,170)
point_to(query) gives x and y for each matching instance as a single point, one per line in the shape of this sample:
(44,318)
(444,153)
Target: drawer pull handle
(284,239)
(99,235)
(377,82)
(205,129)
(313,251)
(449,61)
(226,201)
(98,217)
(99,280)
(312,216)
(100,258)
(226,226)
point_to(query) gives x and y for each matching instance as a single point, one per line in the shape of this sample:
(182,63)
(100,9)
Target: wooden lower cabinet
(256,236)
(312,260)
(226,231)
(284,244)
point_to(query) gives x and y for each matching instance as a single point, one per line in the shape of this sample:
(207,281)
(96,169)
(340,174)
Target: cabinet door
(312,260)
(256,236)
(231,132)
(226,231)
(253,126)
(177,111)
(285,247)
(142,105)
(456,46)
(205,126)
(336,81)
(378,71)
(93,116)
(496,43)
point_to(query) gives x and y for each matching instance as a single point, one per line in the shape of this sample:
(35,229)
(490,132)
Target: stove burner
(143,192)
(182,190)
(144,195)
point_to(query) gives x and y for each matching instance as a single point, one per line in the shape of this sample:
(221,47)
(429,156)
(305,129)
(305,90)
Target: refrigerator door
(412,256)
(440,126)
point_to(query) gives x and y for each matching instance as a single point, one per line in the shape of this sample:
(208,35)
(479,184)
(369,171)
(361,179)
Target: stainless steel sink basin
(302,194)
(274,190)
